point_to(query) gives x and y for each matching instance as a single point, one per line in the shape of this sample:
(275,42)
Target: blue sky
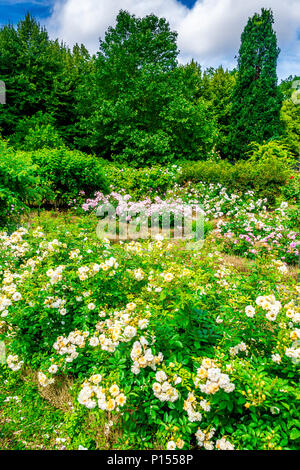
(13,11)
(208,30)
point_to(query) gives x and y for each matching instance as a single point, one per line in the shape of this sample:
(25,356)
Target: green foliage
(133,103)
(138,108)
(53,176)
(217,87)
(68,172)
(27,420)
(291,189)
(36,132)
(140,182)
(290,117)
(290,114)
(266,171)
(44,136)
(256,100)
(147,41)
(19,183)
(71,311)
(41,75)
(271,165)
(274,150)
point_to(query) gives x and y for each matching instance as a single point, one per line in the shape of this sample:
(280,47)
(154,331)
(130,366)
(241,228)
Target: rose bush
(172,348)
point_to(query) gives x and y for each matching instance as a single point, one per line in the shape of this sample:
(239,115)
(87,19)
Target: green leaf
(295,434)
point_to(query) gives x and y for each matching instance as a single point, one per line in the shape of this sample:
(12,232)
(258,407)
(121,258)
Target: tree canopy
(134,102)
(256,98)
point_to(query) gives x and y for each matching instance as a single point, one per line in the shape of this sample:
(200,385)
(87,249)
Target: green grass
(27,421)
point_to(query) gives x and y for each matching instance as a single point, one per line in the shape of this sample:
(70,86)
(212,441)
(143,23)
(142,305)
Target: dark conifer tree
(256,99)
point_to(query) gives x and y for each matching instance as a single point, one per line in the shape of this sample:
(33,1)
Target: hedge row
(266,178)
(53,176)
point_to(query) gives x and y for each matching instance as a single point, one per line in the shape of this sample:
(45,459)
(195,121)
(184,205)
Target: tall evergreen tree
(41,76)
(26,67)
(256,99)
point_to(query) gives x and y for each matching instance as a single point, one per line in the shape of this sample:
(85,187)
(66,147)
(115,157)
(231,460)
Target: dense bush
(266,171)
(271,166)
(36,132)
(19,183)
(291,189)
(69,172)
(44,136)
(290,114)
(45,176)
(139,182)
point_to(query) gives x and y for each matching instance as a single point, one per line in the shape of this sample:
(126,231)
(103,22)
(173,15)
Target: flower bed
(175,349)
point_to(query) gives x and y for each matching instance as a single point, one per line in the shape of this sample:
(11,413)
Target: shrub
(70,172)
(291,189)
(19,183)
(266,171)
(209,171)
(44,136)
(271,165)
(144,148)
(141,181)
(36,132)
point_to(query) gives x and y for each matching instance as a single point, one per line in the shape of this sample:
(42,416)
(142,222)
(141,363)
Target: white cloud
(209,32)
(212,30)
(86,20)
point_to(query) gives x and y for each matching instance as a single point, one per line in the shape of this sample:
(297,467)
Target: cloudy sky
(208,30)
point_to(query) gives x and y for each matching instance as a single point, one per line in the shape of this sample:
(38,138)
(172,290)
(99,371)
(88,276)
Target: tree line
(133,102)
